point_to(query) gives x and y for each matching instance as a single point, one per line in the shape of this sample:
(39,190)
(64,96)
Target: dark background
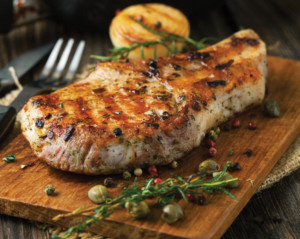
(272,213)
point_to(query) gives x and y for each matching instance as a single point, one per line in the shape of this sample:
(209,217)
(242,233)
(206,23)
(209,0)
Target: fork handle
(7,118)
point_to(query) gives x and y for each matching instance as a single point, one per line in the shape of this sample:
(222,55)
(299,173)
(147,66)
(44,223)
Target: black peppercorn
(117,132)
(201,200)
(39,123)
(158,24)
(108,182)
(248,152)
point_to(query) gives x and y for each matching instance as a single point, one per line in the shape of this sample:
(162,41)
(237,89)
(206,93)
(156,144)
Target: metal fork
(51,78)
(57,80)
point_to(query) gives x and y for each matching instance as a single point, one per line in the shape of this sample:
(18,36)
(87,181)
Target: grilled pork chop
(132,114)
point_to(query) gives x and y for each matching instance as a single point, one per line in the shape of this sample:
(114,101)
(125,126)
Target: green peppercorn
(172,213)
(217,130)
(138,210)
(227,176)
(272,108)
(49,189)
(212,135)
(174,164)
(138,172)
(98,194)
(126,175)
(208,166)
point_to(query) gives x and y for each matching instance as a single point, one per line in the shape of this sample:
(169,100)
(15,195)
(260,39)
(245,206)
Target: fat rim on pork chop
(126,115)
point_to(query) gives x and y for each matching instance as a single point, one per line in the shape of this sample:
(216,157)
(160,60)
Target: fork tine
(74,64)
(62,62)
(50,62)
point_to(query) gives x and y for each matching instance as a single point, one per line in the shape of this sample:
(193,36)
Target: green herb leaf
(9,158)
(105,115)
(231,153)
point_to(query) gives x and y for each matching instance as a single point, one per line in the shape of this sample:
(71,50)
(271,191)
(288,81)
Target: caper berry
(138,172)
(208,166)
(138,210)
(272,108)
(174,164)
(49,189)
(172,213)
(126,175)
(227,176)
(98,194)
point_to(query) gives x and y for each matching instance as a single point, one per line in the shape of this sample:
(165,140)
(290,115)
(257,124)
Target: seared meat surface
(132,114)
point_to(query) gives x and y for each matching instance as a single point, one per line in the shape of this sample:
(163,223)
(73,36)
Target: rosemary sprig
(164,39)
(164,191)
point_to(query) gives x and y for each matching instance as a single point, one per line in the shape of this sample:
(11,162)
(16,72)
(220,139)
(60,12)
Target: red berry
(157,180)
(117,11)
(212,151)
(210,143)
(252,125)
(236,123)
(153,171)
(191,197)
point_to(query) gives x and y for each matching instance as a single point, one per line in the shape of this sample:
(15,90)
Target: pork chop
(133,114)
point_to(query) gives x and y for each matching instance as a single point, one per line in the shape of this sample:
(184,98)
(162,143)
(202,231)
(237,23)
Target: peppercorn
(248,152)
(227,127)
(208,166)
(98,194)
(236,123)
(39,123)
(108,182)
(212,151)
(210,143)
(49,189)
(117,132)
(191,197)
(174,164)
(217,130)
(201,200)
(272,108)
(138,210)
(152,171)
(227,176)
(233,166)
(157,24)
(138,172)
(172,213)
(212,135)
(252,125)
(126,175)
(157,180)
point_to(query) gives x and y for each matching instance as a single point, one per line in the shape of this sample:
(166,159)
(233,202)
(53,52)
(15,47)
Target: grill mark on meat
(82,111)
(224,66)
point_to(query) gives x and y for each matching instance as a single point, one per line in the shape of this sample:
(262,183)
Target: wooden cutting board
(22,190)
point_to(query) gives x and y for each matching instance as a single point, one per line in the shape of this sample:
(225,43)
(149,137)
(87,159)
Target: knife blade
(22,64)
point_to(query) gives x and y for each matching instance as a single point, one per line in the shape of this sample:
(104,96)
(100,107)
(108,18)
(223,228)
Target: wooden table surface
(272,213)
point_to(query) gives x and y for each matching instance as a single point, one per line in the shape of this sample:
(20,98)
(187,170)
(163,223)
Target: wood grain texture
(22,195)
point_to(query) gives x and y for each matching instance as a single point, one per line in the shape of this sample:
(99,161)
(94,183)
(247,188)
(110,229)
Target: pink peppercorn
(212,151)
(210,143)
(236,123)
(152,171)
(252,125)
(157,180)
